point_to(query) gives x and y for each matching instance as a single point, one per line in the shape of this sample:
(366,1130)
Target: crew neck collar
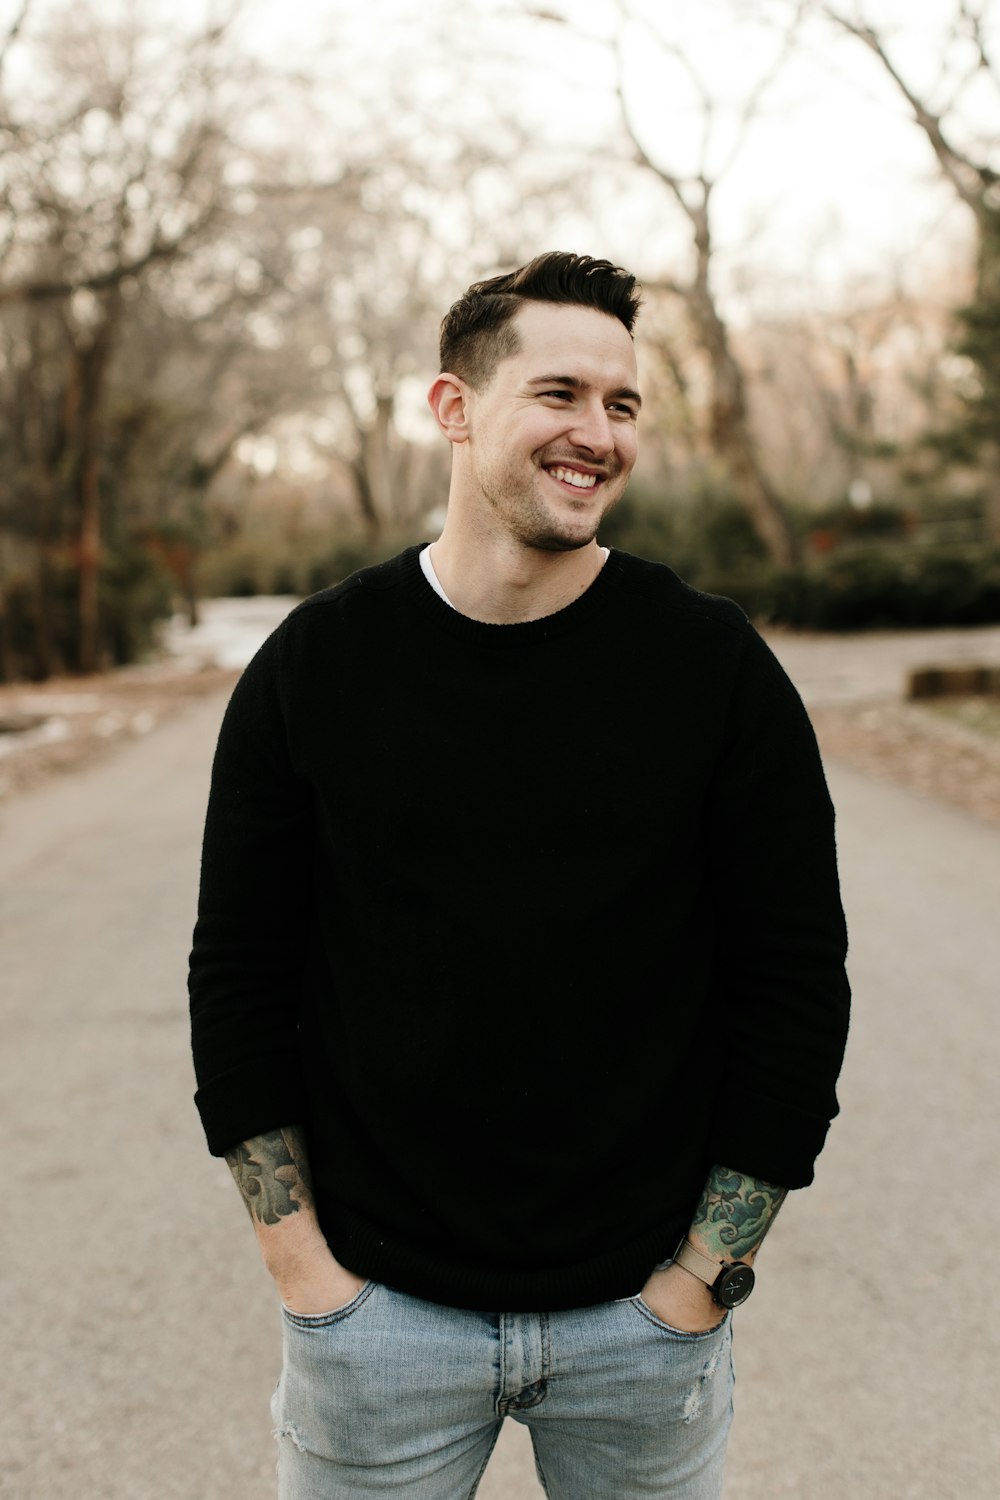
(517,633)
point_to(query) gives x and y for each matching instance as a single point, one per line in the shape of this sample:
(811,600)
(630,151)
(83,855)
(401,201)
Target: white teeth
(575,478)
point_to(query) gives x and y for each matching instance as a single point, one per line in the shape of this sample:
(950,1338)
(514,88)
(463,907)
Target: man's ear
(448,400)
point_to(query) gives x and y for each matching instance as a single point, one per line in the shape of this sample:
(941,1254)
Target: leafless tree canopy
(221,279)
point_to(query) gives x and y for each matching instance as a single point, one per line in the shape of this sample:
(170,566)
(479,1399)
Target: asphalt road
(141,1335)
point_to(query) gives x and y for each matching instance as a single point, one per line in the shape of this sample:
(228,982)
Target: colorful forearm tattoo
(734,1214)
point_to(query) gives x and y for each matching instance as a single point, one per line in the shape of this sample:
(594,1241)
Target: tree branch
(48,291)
(752,103)
(13,30)
(643,158)
(974,30)
(954,163)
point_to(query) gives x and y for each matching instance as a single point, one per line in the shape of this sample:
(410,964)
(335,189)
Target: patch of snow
(230,631)
(46,734)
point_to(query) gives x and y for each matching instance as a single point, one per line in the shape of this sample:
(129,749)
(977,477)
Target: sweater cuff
(262,1094)
(770,1141)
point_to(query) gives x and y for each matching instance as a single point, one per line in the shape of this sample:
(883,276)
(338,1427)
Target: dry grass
(949,751)
(85,717)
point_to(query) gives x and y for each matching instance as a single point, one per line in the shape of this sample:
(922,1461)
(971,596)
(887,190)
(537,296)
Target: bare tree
(968,160)
(844,397)
(114,165)
(163,299)
(13,31)
(730,431)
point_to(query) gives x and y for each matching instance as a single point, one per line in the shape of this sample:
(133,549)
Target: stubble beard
(528,520)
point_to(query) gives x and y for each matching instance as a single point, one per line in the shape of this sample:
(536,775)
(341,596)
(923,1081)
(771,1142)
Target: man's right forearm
(272,1174)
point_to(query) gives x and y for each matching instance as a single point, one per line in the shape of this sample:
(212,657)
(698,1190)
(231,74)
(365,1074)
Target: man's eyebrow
(624,393)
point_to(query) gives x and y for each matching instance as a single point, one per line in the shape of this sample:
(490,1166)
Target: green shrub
(868,589)
(135,592)
(700,526)
(878,573)
(844,522)
(346,558)
(259,565)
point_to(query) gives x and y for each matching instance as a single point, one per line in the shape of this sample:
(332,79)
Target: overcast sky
(834,182)
(834,185)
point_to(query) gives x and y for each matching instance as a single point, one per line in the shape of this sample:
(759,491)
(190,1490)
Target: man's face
(552,437)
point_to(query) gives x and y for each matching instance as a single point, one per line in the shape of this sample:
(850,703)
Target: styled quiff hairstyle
(478,332)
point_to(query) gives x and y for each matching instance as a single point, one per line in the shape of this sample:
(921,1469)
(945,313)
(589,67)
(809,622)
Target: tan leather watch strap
(702,1266)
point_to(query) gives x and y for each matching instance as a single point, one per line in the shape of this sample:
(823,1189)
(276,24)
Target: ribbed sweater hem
(614,1274)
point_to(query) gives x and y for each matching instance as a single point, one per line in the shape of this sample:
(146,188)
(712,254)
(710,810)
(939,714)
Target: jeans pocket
(684,1334)
(327,1319)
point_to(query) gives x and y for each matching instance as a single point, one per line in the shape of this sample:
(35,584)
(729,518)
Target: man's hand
(680,1299)
(319,1284)
(733,1216)
(272,1174)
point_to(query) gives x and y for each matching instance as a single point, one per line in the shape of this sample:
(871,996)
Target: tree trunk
(987,296)
(8,664)
(363,494)
(89,564)
(729,417)
(91,368)
(45,663)
(371,471)
(374,467)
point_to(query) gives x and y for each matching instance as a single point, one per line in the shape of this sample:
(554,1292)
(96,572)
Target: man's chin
(561,543)
(568,532)
(562,536)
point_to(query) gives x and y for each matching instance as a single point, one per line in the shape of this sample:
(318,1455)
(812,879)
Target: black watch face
(733,1286)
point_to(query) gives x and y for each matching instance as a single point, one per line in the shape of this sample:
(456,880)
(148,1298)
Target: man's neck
(501,582)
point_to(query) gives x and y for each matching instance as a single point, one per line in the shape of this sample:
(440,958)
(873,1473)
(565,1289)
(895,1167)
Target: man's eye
(560,395)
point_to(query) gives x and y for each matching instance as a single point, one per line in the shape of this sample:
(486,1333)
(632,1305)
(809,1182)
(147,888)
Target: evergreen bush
(877,573)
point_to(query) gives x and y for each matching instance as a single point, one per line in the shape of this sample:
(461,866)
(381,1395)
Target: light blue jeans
(392,1395)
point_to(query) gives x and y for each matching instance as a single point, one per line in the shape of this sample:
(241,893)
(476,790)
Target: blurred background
(228,234)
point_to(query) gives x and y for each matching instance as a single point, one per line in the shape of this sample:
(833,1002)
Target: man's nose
(592,429)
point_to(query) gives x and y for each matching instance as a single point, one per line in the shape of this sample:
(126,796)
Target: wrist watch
(730,1282)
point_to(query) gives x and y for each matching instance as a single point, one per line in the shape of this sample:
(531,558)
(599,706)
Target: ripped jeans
(391,1395)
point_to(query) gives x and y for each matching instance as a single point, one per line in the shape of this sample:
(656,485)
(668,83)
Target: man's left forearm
(733,1215)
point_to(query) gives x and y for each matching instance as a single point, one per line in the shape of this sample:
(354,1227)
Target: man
(517,989)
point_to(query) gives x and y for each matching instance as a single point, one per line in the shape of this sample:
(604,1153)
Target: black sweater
(529,925)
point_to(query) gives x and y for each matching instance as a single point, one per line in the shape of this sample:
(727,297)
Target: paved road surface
(141,1335)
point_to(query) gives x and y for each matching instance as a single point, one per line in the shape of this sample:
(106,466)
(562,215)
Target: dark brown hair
(478,331)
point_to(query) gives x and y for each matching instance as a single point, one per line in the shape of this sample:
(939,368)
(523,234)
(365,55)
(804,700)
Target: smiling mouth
(575,478)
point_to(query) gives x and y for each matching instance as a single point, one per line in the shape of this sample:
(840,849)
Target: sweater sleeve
(248,947)
(782,988)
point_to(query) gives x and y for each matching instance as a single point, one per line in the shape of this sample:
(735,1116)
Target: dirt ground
(69,722)
(949,751)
